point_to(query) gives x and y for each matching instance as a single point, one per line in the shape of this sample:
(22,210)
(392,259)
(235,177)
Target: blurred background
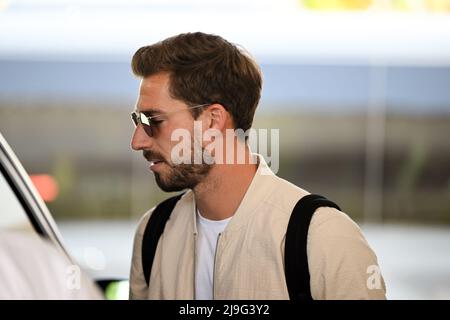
(360,90)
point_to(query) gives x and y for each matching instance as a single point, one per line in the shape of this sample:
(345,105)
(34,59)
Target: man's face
(154,99)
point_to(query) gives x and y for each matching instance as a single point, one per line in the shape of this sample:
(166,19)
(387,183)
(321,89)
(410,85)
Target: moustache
(152,156)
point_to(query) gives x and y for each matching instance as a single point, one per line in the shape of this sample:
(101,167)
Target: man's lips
(153,162)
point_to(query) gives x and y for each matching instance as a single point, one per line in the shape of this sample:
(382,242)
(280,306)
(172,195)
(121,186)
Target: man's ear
(218,117)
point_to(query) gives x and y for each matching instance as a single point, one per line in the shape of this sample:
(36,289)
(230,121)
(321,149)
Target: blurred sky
(312,57)
(279,30)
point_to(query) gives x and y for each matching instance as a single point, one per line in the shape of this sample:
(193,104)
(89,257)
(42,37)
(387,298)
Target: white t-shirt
(208,233)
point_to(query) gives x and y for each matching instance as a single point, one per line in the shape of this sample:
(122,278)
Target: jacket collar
(259,189)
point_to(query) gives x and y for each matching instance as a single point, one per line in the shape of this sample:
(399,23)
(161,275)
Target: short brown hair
(205,68)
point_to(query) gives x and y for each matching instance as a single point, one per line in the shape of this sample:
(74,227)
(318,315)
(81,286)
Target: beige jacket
(249,261)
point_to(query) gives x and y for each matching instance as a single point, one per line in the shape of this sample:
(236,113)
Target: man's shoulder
(327,217)
(284,194)
(326,220)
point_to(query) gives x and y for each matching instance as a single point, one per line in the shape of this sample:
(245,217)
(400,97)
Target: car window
(13,215)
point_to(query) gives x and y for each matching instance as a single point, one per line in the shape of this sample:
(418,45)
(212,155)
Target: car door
(22,209)
(21,206)
(23,217)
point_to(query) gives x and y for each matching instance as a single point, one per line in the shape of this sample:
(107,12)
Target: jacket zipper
(214,267)
(195,260)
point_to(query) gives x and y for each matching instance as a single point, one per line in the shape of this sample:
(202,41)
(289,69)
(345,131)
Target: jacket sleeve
(138,285)
(342,265)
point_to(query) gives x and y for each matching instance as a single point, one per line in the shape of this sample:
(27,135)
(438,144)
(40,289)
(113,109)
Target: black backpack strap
(153,231)
(295,254)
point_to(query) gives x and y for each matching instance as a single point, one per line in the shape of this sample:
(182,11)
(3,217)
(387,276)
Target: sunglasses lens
(134,118)
(146,124)
(144,121)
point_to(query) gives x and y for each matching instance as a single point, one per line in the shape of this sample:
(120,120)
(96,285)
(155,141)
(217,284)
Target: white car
(35,264)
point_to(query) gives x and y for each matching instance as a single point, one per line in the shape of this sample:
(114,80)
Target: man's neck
(219,196)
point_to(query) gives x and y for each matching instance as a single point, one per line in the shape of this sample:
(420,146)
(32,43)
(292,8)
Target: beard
(179,177)
(182,176)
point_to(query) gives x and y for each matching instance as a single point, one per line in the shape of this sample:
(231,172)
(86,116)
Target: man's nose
(140,140)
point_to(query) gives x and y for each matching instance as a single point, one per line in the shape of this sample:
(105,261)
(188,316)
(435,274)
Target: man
(225,236)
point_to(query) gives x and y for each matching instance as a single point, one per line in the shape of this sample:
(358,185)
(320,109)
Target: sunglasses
(150,123)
